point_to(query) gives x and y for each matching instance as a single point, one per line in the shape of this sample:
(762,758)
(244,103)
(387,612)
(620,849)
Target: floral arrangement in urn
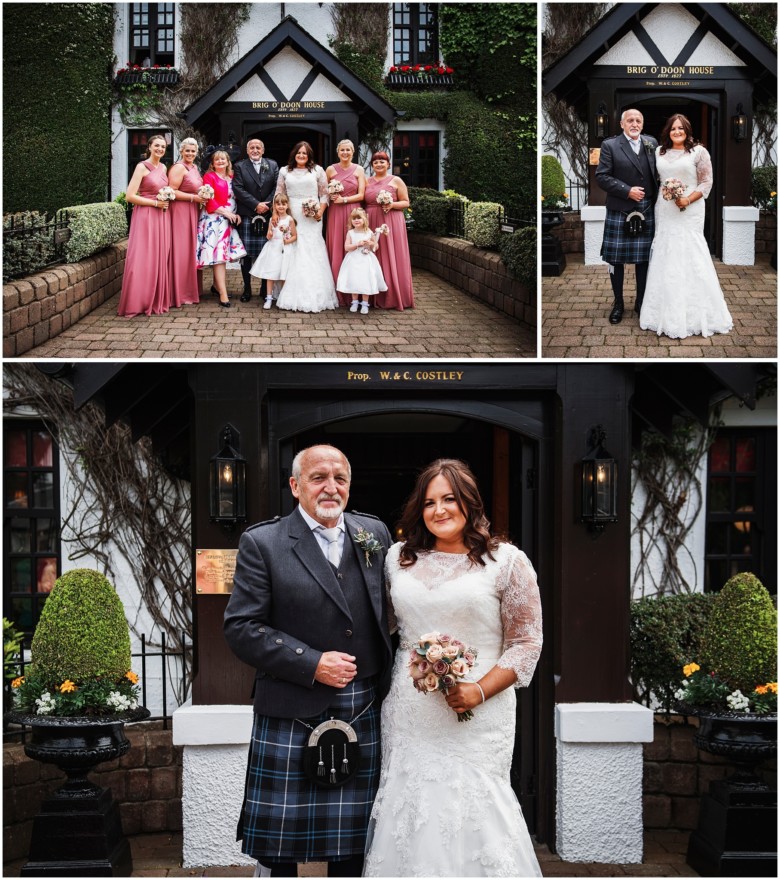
(737,672)
(80,651)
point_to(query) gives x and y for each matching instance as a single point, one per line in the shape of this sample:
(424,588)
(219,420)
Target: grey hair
(189,142)
(631,110)
(298,460)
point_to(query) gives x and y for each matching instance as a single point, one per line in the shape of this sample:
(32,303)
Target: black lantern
(739,125)
(602,121)
(227,482)
(599,483)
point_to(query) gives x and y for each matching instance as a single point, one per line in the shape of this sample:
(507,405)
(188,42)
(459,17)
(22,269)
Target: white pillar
(599,781)
(593,216)
(216,744)
(739,235)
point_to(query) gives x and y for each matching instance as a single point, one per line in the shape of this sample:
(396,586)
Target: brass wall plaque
(214,570)
(594,155)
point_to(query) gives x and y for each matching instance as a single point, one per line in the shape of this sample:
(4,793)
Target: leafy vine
(122,501)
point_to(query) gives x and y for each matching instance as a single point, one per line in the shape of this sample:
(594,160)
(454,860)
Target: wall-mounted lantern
(602,121)
(227,482)
(599,483)
(739,125)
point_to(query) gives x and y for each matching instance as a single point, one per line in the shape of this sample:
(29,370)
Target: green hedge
(518,253)
(482,225)
(93,228)
(25,254)
(666,633)
(429,210)
(764,183)
(56,107)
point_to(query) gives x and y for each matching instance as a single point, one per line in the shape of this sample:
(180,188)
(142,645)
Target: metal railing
(147,654)
(33,241)
(456,220)
(578,194)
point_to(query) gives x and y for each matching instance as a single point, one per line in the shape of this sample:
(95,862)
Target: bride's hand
(464,696)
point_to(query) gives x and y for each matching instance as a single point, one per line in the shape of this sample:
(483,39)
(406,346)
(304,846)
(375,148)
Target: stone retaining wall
(766,233)
(473,270)
(41,306)
(146,783)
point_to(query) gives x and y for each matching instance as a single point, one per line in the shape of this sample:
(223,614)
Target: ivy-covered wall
(57,61)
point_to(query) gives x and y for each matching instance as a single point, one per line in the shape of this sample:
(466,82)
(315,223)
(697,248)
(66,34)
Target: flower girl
(360,273)
(274,260)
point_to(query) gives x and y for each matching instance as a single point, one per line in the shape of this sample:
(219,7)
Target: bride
(445,807)
(683,295)
(309,285)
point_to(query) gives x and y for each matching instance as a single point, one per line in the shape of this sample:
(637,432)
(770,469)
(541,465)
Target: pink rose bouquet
(206,191)
(438,662)
(383,197)
(167,194)
(672,189)
(335,187)
(310,207)
(384,229)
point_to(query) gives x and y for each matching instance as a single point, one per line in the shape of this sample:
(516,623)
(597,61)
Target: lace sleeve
(281,182)
(392,620)
(703,171)
(521,616)
(322,184)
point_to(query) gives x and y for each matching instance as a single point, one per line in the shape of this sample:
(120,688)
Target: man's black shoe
(245,296)
(616,315)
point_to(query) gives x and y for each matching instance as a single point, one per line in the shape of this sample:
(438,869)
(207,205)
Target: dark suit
(251,188)
(620,168)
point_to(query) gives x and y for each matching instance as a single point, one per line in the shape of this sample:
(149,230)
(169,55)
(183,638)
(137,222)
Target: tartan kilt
(253,234)
(617,246)
(286,817)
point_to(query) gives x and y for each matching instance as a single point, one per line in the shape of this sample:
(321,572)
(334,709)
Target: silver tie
(332,537)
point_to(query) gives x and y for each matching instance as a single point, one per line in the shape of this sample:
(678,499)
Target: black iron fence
(578,194)
(32,241)
(150,653)
(456,220)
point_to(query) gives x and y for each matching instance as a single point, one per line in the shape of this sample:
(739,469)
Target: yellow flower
(762,689)
(773,194)
(67,687)
(691,668)
(132,676)
(772,687)
(17,682)
(566,195)
(542,198)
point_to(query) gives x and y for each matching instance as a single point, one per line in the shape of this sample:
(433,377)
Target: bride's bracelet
(480,690)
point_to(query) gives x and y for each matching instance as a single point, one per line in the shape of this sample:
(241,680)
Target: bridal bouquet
(383,197)
(439,662)
(206,191)
(335,187)
(672,189)
(309,207)
(166,194)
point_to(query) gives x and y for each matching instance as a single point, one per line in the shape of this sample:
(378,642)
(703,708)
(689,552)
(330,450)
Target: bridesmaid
(218,239)
(393,251)
(184,177)
(353,179)
(146,285)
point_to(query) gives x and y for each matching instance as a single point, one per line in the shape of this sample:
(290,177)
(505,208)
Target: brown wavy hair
(665,139)
(292,164)
(476,533)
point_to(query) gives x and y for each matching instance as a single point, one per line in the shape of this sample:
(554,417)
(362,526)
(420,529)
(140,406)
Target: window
(137,140)
(151,33)
(416,158)
(31,520)
(741,506)
(415,33)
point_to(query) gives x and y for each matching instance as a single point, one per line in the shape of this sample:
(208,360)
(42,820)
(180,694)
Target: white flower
(679,695)
(116,701)
(45,703)
(738,702)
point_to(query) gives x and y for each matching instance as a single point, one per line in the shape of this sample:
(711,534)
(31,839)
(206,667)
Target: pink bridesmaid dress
(393,253)
(338,221)
(184,235)
(146,285)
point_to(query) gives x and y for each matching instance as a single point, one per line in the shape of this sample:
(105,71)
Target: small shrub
(518,253)
(764,183)
(429,210)
(93,228)
(26,253)
(482,225)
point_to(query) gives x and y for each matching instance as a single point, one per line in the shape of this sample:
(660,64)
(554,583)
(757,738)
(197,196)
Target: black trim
(270,84)
(644,38)
(308,80)
(688,49)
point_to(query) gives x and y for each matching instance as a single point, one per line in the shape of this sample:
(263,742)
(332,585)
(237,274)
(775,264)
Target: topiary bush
(93,228)
(739,643)
(82,632)
(429,209)
(553,183)
(665,632)
(764,183)
(518,253)
(482,224)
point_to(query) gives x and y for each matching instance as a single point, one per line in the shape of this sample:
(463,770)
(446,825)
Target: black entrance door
(279,142)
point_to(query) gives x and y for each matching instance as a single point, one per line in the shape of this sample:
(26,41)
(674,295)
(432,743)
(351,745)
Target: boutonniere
(263,165)
(648,146)
(368,544)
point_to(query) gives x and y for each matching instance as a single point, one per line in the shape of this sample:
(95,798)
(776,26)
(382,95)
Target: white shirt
(315,527)
(635,144)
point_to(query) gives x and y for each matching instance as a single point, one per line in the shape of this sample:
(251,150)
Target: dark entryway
(280,140)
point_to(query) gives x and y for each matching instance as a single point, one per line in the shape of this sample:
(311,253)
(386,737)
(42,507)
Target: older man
(254,185)
(626,172)
(308,613)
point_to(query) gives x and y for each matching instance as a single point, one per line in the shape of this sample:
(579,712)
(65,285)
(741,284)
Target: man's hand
(335,669)
(636,193)
(262,208)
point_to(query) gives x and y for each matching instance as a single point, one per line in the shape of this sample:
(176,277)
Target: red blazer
(221,195)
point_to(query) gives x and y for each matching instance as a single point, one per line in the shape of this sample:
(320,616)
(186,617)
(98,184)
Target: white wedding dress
(309,285)
(683,295)
(445,807)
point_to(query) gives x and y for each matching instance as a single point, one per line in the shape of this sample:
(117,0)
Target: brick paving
(445,323)
(576,306)
(159,855)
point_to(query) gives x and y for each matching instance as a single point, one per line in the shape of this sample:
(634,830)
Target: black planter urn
(78,831)
(553,258)
(737,831)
